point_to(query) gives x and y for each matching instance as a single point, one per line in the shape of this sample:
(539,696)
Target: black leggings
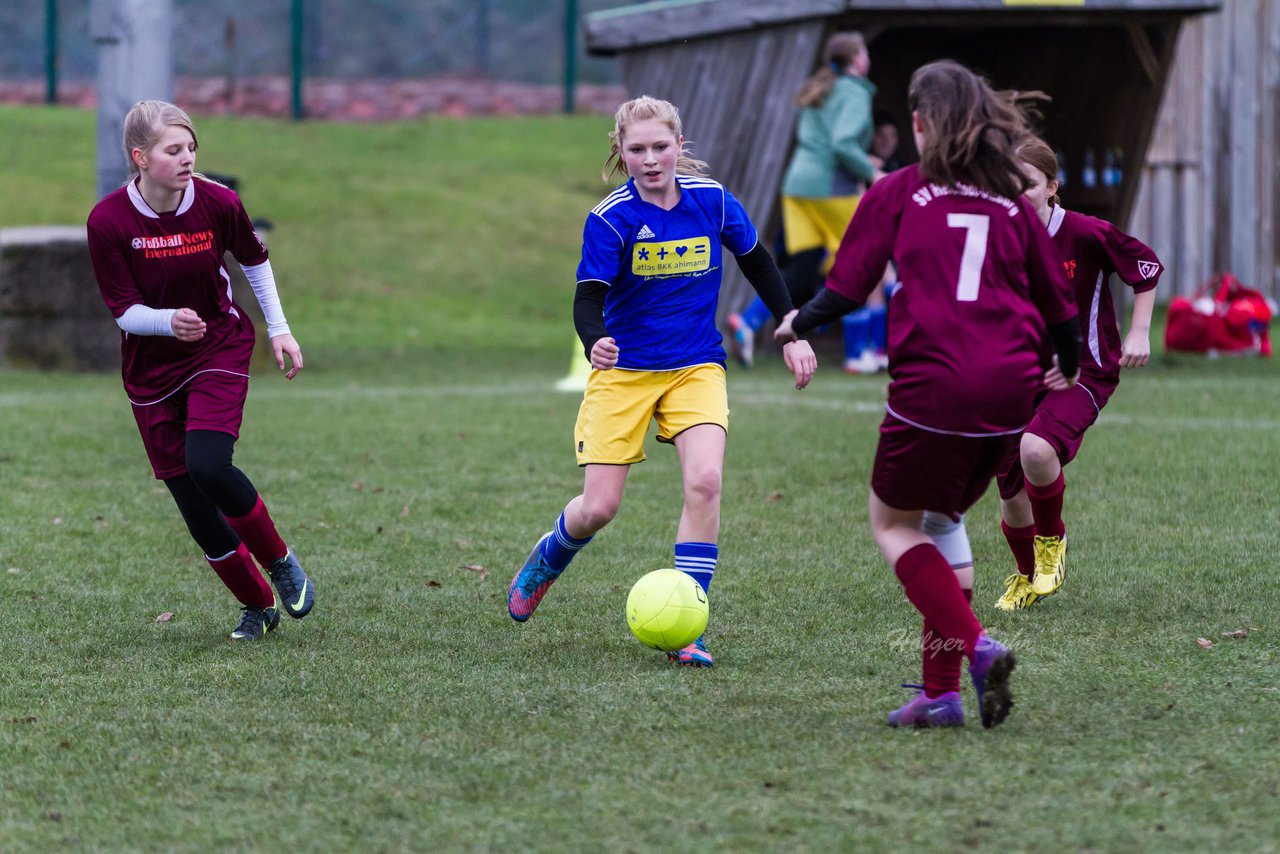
(212,489)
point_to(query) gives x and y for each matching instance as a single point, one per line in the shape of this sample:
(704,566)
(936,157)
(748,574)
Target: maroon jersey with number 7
(980,277)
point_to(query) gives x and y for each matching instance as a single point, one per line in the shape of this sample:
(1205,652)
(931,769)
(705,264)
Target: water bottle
(1111,168)
(1089,174)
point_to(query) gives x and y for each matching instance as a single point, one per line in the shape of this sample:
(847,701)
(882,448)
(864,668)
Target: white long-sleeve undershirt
(143,320)
(263,282)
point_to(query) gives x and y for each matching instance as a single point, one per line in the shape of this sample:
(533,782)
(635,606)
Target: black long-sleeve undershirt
(765,277)
(823,308)
(588,314)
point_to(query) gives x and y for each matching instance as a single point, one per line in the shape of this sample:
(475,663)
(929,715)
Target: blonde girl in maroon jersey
(157,246)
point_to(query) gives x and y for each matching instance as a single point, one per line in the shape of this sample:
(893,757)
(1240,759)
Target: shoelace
(537,575)
(1014,591)
(282,574)
(250,618)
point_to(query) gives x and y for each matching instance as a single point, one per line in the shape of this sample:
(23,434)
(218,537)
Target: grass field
(413,472)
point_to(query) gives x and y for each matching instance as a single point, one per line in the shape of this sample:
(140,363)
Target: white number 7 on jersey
(975,252)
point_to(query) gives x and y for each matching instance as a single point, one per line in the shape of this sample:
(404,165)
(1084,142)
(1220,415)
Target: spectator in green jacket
(829,169)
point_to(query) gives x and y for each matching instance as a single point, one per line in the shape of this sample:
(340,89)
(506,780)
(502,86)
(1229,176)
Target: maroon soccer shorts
(212,400)
(1061,419)
(916,469)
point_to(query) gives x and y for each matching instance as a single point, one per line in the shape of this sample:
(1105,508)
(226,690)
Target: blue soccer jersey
(663,269)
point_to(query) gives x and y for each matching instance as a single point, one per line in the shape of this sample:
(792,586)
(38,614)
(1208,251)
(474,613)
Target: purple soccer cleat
(945,710)
(530,584)
(990,666)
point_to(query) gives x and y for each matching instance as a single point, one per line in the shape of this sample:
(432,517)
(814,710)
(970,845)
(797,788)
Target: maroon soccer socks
(1022,542)
(258,532)
(238,571)
(1046,507)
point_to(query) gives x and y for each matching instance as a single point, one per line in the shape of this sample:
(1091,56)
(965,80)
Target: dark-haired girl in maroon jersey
(1031,481)
(157,246)
(981,285)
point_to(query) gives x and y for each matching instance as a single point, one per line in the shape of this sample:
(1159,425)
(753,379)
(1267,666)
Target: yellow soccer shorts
(816,223)
(619,404)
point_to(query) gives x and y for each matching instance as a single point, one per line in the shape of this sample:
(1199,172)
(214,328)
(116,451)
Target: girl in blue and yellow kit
(645,309)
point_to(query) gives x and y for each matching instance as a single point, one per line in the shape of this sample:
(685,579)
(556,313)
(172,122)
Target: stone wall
(51,315)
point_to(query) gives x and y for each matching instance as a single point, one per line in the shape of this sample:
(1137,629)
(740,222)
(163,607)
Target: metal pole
(570,51)
(51,51)
(296,30)
(482,37)
(134,40)
(107,26)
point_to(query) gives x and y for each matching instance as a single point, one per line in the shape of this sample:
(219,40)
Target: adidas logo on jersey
(645,233)
(1148,269)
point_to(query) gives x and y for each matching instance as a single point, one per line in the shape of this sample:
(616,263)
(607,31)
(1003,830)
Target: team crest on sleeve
(671,257)
(1148,269)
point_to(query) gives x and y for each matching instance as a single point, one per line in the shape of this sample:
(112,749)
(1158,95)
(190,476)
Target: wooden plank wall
(736,95)
(1209,193)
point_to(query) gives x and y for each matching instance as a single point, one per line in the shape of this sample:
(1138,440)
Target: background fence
(241,49)
(1207,199)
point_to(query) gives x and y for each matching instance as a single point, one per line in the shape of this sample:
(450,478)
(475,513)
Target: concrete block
(51,314)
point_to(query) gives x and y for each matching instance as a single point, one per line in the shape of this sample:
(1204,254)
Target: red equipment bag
(1234,320)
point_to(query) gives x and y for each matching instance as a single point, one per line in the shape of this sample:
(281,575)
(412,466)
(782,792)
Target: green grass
(408,712)
(441,240)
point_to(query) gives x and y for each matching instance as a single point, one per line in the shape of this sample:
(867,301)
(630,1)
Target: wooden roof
(615,30)
(733,68)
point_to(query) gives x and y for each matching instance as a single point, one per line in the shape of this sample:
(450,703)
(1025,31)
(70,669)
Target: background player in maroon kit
(157,246)
(1031,489)
(980,281)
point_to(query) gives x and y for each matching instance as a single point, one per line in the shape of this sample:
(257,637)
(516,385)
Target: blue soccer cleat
(693,655)
(294,588)
(530,584)
(255,623)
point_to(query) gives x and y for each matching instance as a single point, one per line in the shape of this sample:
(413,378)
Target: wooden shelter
(734,67)
(1210,194)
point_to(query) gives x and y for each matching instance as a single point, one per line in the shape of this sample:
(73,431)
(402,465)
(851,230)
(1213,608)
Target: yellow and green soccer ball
(667,610)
